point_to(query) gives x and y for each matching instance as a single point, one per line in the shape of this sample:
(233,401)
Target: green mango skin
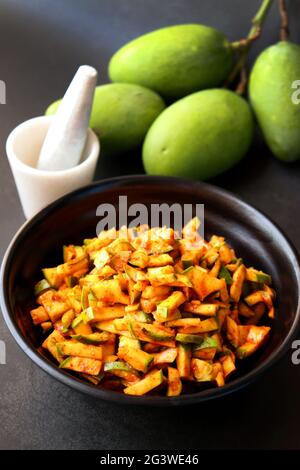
(200,136)
(270,91)
(121,115)
(174,61)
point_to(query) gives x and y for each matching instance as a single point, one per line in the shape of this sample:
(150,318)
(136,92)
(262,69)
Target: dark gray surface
(41,45)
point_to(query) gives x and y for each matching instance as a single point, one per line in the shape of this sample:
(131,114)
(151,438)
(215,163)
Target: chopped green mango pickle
(143,312)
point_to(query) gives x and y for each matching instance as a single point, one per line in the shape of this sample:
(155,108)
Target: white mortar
(37,188)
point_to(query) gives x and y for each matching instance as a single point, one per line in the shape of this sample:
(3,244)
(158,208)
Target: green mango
(199,136)
(121,115)
(174,61)
(270,90)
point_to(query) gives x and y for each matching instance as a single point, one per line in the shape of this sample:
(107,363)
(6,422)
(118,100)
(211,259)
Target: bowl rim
(114,396)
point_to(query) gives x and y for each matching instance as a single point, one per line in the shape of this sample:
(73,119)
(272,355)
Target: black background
(41,45)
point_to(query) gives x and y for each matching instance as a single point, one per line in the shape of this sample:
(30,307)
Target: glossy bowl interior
(72,218)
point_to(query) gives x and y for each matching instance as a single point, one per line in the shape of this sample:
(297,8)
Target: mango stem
(243,45)
(240,89)
(284,25)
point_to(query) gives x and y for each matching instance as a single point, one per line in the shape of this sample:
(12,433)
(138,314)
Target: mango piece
(256,337)
(206,354)
(202,309)
(108,325)
(218,375)
(108,313)
(214,130)
(237,283)
(174,61)
(121,115)
(204,326)
(51,342)
(110,291)
(138,359)
(83,329)
(82,364)
(174,382)
(69,348)
(169,305)
(228,365)
(270,89)
(183,360)
(167,356)
(189,338)
(149,382)
(232,332)
(153,333)
(122,370)
(202,370)
(54,303)
(39,315)
(254,275)
(94,338)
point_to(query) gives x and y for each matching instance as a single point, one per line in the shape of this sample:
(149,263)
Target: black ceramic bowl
(72,218)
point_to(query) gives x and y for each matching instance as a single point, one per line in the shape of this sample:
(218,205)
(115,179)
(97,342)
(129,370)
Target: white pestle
(65,140)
